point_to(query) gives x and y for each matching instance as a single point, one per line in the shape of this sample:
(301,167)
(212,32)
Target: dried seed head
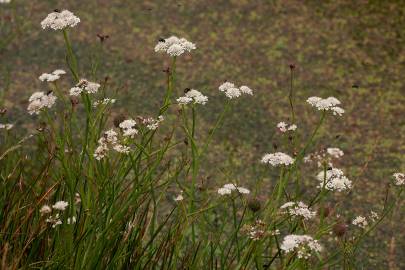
(74,101)
(340,229)
(254,204)
(119,119)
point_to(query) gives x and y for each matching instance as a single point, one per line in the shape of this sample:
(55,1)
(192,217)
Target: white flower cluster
(151,123)
(104,101)
(174,46)
(324,157)
(284,127)
(179,197)
(374,216)
(334,179)
(40,100)
(335,152)
(192,96)
(326,104)
(107,141)
(231,91)
(51,77)
(256,231)
(6,126)
(60,205)
(128,128)
(304,245)
(228,188)
(55,220)
(5,1)
(277,159)
(86,86)
(60,20)
(298,209)
(360,221)
(399,179)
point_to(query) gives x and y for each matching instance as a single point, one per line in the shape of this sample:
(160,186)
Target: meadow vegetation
(88,182)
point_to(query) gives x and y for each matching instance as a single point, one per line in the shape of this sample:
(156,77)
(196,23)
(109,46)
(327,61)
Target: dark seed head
(254,204)
(340,229)
(56,10)
(74,101)
(162,40)
(187,90)
(118,120)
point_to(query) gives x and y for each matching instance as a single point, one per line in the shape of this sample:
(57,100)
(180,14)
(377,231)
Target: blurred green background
(353,50)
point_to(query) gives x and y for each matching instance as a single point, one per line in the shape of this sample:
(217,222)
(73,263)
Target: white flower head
(277,159)
(360,221)
(5,1)
(399,179)
(51,77)
(335,152)
(334,180)
(75,91)
(45,209)
(128,128)
(327,104)
(60,205)
(39,101)
(298,209)
(228,188)
(59,72)
(174,46)
(84,86)
(224,191)
(225,86)
(284,127)
(246,90)
(193,96)
(6,126)
(60,20)
(123,149)
(151,123)
(179,198)
(304,245)
(231,91)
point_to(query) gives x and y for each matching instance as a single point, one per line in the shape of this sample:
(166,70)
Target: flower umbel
(298,209)
(304,245)
(39,101)
(277,159)
(334,179)
(60,20)
(174,46)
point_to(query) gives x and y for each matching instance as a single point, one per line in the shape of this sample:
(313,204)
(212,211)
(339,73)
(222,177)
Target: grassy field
(349,49)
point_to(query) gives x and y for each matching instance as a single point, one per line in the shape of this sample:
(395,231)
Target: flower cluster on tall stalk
(87,190)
